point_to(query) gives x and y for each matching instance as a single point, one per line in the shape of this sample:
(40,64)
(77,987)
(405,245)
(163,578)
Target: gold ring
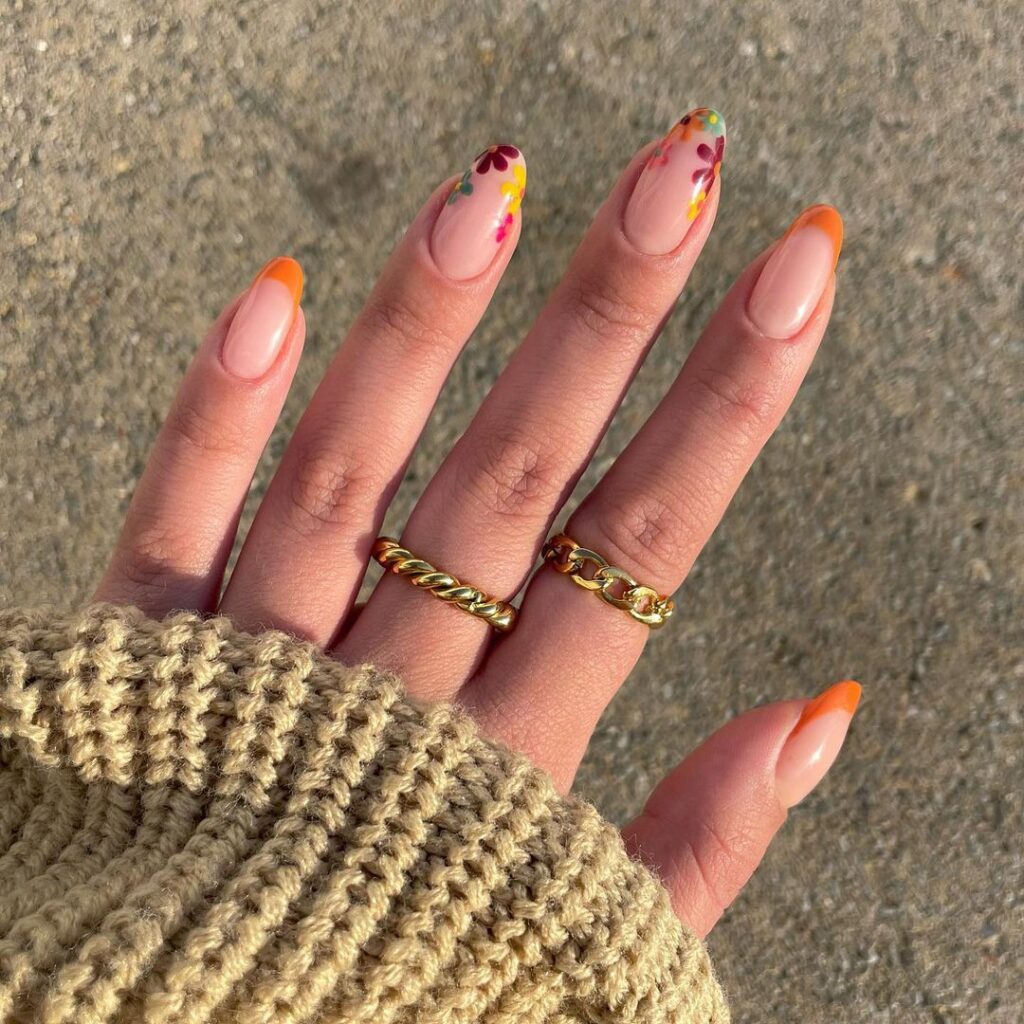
(610,583)
(390,553)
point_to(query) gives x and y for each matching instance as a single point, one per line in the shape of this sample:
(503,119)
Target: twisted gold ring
(612,584)
(500,614)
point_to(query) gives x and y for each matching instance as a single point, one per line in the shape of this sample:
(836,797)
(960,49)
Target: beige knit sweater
(201,825)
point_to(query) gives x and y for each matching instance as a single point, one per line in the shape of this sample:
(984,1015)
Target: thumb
(708,824)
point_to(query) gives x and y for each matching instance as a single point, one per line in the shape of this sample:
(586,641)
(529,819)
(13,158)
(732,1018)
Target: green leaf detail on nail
(463,187)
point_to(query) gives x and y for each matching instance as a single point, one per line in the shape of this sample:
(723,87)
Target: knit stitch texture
(197,824)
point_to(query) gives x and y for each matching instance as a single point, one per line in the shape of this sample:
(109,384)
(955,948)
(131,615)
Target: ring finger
(486,512)
(305,556)
(654,510)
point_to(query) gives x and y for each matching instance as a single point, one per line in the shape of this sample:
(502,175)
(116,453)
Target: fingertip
(826,219)
(843,696)
(813,745)
(288,271)
(263,321)
(796,276)
(709,823)
(480,213)
(678,178)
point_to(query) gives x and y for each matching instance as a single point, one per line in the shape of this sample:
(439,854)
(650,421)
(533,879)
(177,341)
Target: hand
(491,506)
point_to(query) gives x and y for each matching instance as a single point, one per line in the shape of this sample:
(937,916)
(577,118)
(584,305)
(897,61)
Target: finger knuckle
(512,475)
(328,490)
(608,312)
(393,318)
(743,407)
(153,559)
(197,429)
(718,862)
(643,533)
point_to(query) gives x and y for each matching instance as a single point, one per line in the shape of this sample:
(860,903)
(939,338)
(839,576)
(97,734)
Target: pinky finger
(709,823)
(178,533)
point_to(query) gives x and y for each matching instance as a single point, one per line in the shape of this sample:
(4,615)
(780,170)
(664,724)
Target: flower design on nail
(704,176)
(712,121)
(503,228)
(463,187)
(514,190)
(703,120)
(687,125)
(496,157)
(660,155)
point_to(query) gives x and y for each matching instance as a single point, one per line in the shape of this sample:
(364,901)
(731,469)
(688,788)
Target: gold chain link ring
(612,584)
(500,614)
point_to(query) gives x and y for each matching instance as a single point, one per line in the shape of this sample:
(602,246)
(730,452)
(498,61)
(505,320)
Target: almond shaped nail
(263,319)
(815,742)
(676,182)
(791,283)
(479,213)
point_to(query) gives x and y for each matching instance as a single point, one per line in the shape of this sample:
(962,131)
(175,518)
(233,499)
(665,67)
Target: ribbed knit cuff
(197,824)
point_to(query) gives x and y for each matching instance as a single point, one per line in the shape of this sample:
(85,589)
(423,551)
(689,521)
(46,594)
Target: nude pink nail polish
(793,279)
(479,213)
(263,319)
(815,741)
(675,182)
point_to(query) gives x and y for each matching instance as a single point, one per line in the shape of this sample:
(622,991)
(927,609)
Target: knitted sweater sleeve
(197,824)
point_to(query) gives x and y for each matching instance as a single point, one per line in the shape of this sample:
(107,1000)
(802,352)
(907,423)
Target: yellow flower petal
(515,193)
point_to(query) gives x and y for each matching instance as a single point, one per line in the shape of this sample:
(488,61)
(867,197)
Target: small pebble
(979,571)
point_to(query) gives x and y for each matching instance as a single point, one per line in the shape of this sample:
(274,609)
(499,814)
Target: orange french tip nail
(844,696)
(288,272)
(825,218)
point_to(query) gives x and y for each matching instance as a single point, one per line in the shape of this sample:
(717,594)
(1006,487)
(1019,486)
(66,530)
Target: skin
(708,824)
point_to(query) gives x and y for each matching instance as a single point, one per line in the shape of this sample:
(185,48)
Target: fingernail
(479,213)
(796,274)
(815,742)
(263,319)
(675,182)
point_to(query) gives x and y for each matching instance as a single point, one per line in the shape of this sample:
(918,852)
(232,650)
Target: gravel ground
(151,156)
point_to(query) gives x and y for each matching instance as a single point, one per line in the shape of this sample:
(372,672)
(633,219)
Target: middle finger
(486,512)
(304,557)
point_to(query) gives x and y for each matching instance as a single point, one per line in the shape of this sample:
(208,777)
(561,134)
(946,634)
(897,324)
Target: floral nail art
(706,128)
(660,155)
(515,190)
(503,228)
(711,120)
(479,212)
(497,157)
(676,182)
(463,187)
(704,176)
